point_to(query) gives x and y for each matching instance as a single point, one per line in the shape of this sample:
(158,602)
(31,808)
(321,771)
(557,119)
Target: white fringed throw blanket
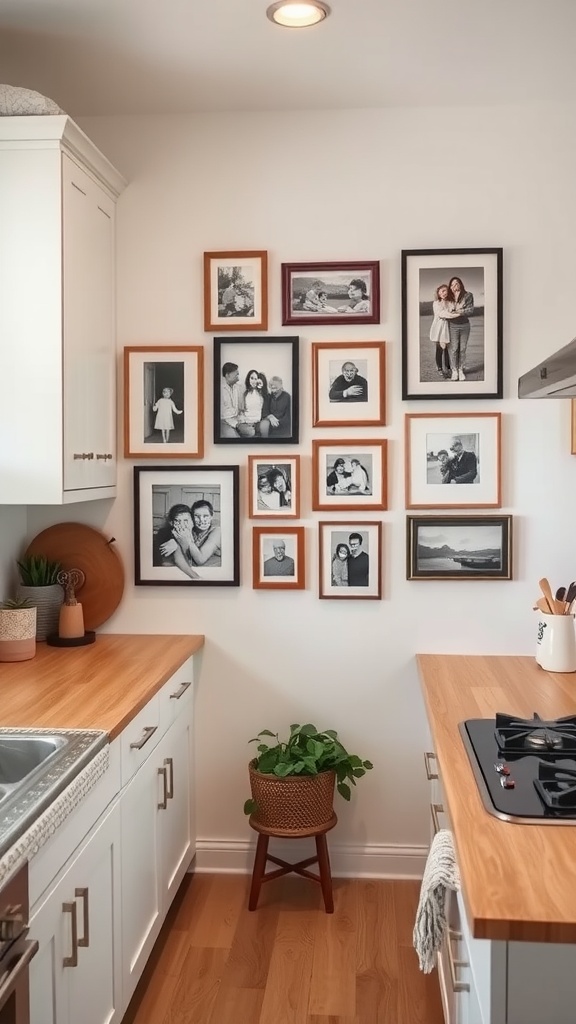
(440,874)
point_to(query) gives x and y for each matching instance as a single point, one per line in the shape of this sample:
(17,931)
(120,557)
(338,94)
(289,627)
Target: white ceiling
(178,56)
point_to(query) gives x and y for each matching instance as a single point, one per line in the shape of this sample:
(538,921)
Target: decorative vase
(292,804)
(47,601)
(17,634)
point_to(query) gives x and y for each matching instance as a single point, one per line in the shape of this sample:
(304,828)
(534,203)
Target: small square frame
(272,356)
(330,489)
(148,371)
(282,473)
(435,482)
(298,305)
(359,402)
(488,558)
(245,306)
(157,490)
(332,536)
(263,558)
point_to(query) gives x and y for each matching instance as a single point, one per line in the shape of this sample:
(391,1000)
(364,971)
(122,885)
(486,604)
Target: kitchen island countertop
(518,881)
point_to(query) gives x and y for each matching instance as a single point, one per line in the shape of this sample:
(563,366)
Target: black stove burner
(556,785)
(518,735)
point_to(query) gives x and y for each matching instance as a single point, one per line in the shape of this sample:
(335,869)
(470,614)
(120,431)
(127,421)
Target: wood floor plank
(194,995)
(238,1006)
(377,931)
(418,994)
(333,983)
(376,998)
(249,961)
(406,895)
(288,987)
(213,923)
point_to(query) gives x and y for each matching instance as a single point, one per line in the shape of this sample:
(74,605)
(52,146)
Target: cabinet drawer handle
(181,690)
(430,775)
(83,455)
(457,985)
(83,895)
(435,810)
(71,961)
(105,456)
(164,801)
(148,732)
(170,763)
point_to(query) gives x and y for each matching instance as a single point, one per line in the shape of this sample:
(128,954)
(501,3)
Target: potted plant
(293,780)
(40,585)
(17,630)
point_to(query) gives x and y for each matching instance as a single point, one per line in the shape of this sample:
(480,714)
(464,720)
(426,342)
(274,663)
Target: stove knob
(506,782)
(501,768)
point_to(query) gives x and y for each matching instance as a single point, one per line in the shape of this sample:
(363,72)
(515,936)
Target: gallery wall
(356,185)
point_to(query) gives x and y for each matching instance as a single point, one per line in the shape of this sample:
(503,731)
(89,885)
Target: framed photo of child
(164,402)
(274,487)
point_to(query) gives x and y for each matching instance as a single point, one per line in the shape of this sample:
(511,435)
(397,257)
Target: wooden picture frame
(164,402)
(349,474)
(331,293)
(344,573)
(349,383)
(441,327)
(236,290)
(459,547)
(197,504)
(453,460)
(274,486)
(278,558)
(271,360)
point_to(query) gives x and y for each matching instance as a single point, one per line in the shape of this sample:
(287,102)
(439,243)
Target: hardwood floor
(288,962)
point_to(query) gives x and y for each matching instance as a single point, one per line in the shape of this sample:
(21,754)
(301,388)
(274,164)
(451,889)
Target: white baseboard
(232,856)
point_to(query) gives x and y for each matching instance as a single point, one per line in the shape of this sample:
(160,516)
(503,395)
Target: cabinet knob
(83,455)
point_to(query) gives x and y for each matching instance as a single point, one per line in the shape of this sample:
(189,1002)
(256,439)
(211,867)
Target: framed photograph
(278,558)
(453,460)
(349,475)
(164,402)
(350,560)
(256,390)
(452,323)
(274,487)
(459,547)
(331,293)
(186,526)
(236,291)
(573,424)
(349,383)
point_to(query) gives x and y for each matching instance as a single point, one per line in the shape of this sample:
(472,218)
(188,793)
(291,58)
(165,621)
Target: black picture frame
(336,303)
(269,357)
(484,543)
(159,490)
(427,370)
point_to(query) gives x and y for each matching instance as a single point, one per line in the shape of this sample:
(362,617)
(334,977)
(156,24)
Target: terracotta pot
(48,601)
(17,634)
(294,804)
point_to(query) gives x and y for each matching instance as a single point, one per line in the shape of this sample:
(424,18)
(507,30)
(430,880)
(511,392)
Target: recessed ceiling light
(293,14)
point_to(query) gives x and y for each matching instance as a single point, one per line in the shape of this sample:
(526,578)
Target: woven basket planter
(293,804)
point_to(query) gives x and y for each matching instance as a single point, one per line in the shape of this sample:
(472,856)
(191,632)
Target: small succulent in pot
(17,629)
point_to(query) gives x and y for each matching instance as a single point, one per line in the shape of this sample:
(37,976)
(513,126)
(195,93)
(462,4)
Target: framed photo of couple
(453,460)
(256,390)
(236,291)
(349,383)
(349,475)
(350,560)
(164,402)
(331,293)
(186,526)
(278,558)
(459,547)
(451,323)
(274,487)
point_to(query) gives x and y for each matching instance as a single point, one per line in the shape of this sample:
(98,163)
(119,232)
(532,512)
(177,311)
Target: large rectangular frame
(428,435)
(149,370)
(486,558)
(331,495)
(244,274)
(359,401)
(332,537)
(480,271)
(161,490)
(272,356)
(335,281)
(264,562)
(282,473)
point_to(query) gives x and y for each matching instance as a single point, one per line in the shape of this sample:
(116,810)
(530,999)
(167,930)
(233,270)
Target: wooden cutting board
(78,546)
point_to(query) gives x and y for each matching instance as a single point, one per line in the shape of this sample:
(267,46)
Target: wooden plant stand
(262,856)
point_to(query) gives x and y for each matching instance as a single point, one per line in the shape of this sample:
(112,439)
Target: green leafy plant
(16,603)
(307,751)
(37,571)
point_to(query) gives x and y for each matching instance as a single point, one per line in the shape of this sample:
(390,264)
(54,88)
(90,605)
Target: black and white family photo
(163,401)
(255,391)
(453,459)
(350,560)
(349,383)
(235,291)
(330,292)
(274,487)
(348,474)
(476,547)
(278,558)
(452,323)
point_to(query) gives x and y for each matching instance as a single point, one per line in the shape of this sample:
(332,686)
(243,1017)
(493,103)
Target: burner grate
(515,735)
(556,786)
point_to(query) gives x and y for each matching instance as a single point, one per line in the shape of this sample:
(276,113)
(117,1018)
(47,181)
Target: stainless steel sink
(35,766)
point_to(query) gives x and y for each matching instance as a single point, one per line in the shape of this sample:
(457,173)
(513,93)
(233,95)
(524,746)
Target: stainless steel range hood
(555,377)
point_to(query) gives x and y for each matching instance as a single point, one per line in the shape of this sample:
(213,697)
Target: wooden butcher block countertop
(518,881)
(101,686)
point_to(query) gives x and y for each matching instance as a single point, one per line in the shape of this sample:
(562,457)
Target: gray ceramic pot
(47,601)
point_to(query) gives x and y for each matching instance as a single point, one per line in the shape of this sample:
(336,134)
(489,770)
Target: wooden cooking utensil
(546,589)
(541,604)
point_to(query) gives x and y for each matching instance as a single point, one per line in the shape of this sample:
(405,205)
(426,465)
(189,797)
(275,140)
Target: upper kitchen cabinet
(57,314)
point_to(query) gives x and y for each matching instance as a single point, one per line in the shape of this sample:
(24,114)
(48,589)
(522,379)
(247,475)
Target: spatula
(546,589)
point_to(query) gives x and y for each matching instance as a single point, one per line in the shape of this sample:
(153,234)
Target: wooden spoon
(546,589)
(541,604)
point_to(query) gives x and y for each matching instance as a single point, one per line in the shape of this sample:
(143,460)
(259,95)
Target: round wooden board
(78,546)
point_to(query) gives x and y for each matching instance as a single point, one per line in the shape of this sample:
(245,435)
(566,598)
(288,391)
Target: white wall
(344,186)
(13,529)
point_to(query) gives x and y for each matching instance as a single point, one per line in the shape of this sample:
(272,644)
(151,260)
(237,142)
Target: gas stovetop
(525,768)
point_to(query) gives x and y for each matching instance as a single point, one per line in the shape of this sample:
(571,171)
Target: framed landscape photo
(274,486)
(451,323)
(350,560)
(459,547)
(186,526)
(256,390)
(349,383)
(236,291)
(331,293)
(164,402)
(278,558)
(350,474)
(453,460)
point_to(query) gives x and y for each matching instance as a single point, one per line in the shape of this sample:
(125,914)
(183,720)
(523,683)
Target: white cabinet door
(175,829)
